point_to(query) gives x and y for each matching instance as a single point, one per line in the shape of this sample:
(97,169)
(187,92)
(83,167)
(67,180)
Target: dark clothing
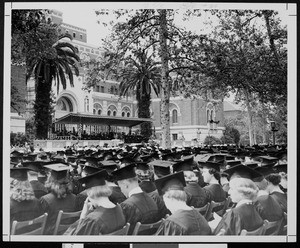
(162,209)
(281,198)
(117,196)
(198,197)
(39,189)
(244,216)
(80,198)
(99,222)
(76,186)
(185,222)
(147,186)
(140,208)
(24,210)
(51,205)
(268,208)
(215,192)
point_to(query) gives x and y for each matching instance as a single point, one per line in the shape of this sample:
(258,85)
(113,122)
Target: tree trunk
(144,112)
(165,92)
(250,116)
(42,109)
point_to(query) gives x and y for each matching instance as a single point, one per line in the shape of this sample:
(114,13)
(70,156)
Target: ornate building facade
(190,119)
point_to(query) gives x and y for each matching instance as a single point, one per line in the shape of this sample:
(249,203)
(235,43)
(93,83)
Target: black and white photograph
(128,120)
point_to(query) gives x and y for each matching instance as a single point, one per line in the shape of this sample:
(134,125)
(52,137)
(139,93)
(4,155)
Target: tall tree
(51,61)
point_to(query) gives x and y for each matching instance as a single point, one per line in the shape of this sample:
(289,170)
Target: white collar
(244,201)
(136,190)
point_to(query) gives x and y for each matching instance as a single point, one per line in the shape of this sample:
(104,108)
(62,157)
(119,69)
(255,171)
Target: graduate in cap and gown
(211,175)
(139,206)
(99,215)
(148,186)
(197,196)
(23,203)
(184,220)
(243,191)
(60,196)
(36,170)
(274,190)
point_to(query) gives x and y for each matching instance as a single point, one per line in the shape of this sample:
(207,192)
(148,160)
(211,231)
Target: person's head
(242,188)
(209,174)
(126,185)
(283,181)
(60,188)
(21,190)
(172,196)
(190,176)
(97,192)
(273,181)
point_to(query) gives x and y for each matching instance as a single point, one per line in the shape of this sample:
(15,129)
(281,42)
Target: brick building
(189,118)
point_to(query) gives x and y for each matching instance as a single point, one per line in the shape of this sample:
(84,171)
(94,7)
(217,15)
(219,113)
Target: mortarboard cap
(71,159)
(231,163)
(91,161)
(37,166)
(182,166)
(58,170)
(251,164)
(125,172)
(19,173)
(280,168)
(264,170)
(267,160)
(109,165)
(95,179)
(161,167)
(29,157)
(15,153)
(242,171)
(142,166)
(211,165)
(173,181)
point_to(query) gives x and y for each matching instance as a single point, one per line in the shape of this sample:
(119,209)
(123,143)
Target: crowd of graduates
(145,184)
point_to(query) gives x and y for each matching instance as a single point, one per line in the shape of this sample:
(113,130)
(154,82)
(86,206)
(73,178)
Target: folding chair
(259,231)
(214,205)
(147,229)
(273,228)
(123,231)
(64,220)
(30,227)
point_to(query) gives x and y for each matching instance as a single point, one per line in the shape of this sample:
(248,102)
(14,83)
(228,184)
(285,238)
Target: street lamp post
(274,130)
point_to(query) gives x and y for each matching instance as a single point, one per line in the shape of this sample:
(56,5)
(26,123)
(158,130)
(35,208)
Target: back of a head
(244,186)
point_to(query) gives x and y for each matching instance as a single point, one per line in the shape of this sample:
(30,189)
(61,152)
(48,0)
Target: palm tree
(140,74)
(52,64)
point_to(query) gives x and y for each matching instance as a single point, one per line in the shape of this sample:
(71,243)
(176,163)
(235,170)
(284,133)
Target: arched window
(123,114)
(207,116)
(94,111)
(174,116)
(99,111)
(108,112)
(114,113)
(128,114)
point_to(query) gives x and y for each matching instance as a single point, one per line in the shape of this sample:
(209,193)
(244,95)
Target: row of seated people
(147,193)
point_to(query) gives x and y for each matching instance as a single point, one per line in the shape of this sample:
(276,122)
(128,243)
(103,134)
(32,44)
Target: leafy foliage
(212,140)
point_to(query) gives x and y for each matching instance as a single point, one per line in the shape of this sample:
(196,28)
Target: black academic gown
(140,207)
(39,189)
(268,208)
(242,217)
(185,222)
(147,186)
(162,209)
(281,198)
(215,192)
(51,205)
(99,222)
(198,198)
(25,210)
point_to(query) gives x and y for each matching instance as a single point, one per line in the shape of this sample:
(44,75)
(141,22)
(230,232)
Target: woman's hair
(244,186)
(176,194)
(99,191)
(190,176)
(273,178)
(21,190)
(60,188)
